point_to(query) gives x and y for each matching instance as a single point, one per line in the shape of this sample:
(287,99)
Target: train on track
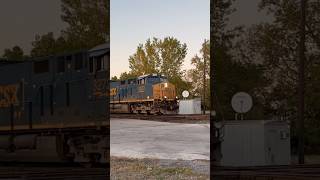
(148,94)
(55,109)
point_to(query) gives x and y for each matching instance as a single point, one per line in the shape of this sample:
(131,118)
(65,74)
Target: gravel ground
(126,168)
(185,119)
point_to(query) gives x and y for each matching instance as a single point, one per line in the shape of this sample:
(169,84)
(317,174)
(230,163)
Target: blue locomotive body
(145,94)
(53,95)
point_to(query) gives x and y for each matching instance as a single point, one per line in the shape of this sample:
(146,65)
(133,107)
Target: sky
(21,20)
(247,13)
(134,21)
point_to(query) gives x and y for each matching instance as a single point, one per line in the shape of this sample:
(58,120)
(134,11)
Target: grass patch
(124,168)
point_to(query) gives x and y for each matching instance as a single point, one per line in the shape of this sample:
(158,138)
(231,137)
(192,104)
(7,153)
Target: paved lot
(148,139)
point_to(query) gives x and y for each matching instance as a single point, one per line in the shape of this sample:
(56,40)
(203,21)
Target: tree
(16,53)
(276,45)
(232,73)
(46,45)
(146,60)
(88,22)
(88,26)
(197,73)
(114,78)
(162,57)
(172,55)
(126,75)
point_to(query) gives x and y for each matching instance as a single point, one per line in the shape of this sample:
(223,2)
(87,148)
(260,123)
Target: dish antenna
(185,94)
(241,103)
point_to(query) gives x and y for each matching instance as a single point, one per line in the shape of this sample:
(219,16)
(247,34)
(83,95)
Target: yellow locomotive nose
(164,91)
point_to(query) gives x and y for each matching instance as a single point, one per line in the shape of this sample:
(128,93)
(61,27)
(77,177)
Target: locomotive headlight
(148,97)
(176,97)
(165,97)
(165,85)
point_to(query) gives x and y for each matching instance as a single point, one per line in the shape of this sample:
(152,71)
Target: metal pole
(301,81)
(204,86)
(213,137)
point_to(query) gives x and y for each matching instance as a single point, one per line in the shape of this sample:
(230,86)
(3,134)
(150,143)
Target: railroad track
(38,172)
(295,172)
(194,118)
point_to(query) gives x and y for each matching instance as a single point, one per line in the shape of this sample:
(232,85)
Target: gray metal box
(190,106)
(255,143)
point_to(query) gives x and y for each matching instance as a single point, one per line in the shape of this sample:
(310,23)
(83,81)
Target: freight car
(151,94)
(54,109)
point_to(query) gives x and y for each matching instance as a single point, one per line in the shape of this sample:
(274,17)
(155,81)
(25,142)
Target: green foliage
(162,57)
(276,44)
(47,44)
(88,26)
(172,55)
(146,60)
(114,78)
(232,73)
(126,75)
(16,53)
(88,22)
(196,74)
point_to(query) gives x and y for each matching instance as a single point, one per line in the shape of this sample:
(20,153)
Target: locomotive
(147,94)
(54,109)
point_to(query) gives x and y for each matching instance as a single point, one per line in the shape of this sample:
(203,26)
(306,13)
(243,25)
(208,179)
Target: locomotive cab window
(61,65)
(68,61)
(78,61)
(41,67)
(130,81)
(91,65)
(99,64)
(105,62)
(141,81)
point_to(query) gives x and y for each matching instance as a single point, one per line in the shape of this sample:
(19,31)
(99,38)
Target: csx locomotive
(150,94)
(55,108)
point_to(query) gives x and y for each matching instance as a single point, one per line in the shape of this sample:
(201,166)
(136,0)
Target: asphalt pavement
(159,140)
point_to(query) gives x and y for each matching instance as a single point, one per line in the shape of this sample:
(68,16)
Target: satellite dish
(185,94)
(241,102)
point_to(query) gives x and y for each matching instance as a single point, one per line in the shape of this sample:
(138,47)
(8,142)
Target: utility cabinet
(190,106)
(255,143)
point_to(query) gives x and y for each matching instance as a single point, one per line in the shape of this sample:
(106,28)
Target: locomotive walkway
(160,140)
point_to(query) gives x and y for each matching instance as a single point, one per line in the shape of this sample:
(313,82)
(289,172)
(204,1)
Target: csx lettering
(8,95)
(113,91)
(99,88)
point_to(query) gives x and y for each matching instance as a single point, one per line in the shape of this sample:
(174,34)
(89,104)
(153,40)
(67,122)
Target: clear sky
(134,21)
(21,20)
(248,13)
